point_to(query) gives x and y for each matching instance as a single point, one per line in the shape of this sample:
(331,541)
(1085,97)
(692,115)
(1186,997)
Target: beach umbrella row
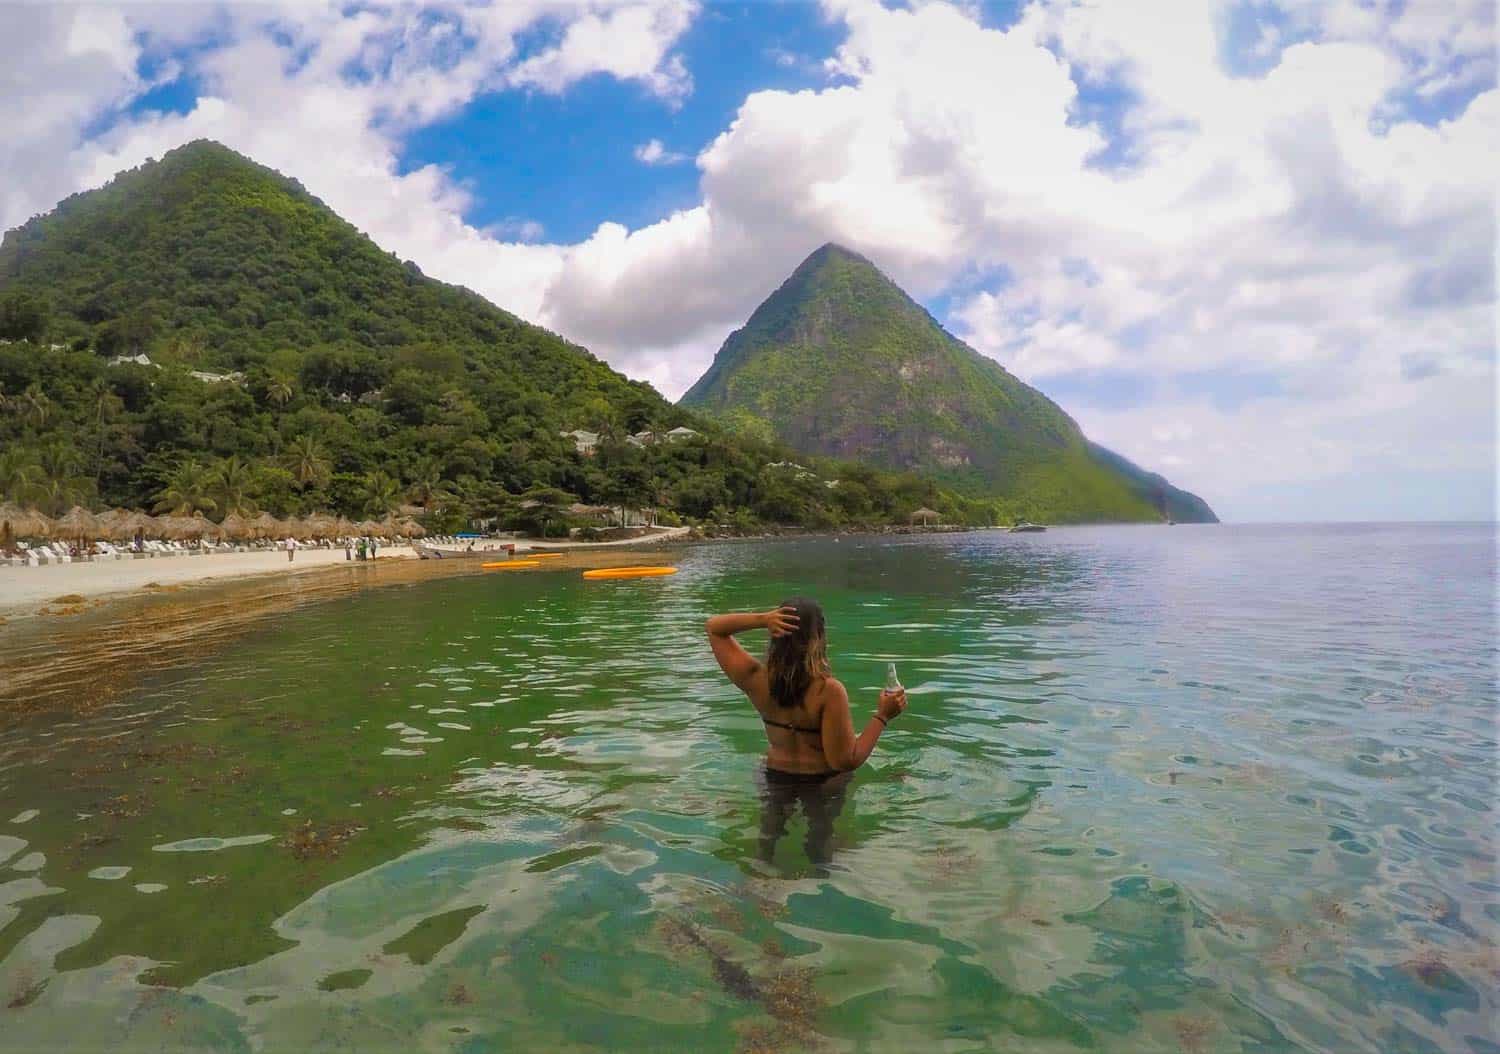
(124,525)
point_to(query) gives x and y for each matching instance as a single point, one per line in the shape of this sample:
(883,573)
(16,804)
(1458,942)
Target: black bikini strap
(794,728)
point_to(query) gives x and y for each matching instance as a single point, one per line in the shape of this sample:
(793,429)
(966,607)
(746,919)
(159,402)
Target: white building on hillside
(583,442)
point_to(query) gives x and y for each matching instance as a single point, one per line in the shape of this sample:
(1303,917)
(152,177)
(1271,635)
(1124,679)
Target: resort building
(583,442)
(681,432)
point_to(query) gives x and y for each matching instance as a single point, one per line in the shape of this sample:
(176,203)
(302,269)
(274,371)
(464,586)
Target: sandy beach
(22,588)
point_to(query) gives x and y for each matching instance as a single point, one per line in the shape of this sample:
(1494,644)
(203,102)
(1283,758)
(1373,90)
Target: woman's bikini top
(795,728)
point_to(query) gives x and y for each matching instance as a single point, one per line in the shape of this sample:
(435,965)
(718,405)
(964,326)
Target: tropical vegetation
(203,335)
(839,361)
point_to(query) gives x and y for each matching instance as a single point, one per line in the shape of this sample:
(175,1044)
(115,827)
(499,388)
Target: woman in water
(806,713)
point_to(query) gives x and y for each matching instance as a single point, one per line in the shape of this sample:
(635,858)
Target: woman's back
(795,733)
(804,708)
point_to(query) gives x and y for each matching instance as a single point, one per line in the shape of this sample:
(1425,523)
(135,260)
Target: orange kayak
(629,572)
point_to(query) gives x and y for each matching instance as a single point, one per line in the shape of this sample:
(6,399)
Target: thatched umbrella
(79,523)
(25,523)
(368,528)
(346,527)
(205,527)
(320,525)
(925,515)
(177,528)
(116,525)
(236,527)
(411,528)
(141,523)
(267,526)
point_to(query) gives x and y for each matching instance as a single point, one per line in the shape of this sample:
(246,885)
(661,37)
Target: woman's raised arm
(734,660)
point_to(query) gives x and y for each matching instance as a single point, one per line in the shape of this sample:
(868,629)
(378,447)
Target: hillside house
(584,442)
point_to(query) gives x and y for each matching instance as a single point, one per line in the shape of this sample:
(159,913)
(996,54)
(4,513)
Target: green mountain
(204,334)
(839,361)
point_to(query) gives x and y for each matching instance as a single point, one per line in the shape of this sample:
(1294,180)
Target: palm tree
(106,405)
(306,460)
(36,407)
(187,491)
(60,459)
(382,493)
(428,486)
(62,483)
(56,493)
(229,486)
(21,477)
(280,389)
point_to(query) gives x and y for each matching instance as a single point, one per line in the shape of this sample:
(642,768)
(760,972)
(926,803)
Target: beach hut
(267,526)
(142,524)
(297,527)
(236,528)
(79,523)
(116,525)
(318,525)
(924,516)
(24,523)
(205,527)
(176,528)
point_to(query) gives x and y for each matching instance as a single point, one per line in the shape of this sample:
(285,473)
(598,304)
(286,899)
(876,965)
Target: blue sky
(567,162)
(1247,244)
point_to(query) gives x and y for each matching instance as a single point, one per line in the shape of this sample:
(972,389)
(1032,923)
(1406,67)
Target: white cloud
(654,152)
(321,96)
(1292,243)
(629,41)
(1296,270)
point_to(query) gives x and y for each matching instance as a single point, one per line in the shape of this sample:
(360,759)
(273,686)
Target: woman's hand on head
(781,621)
(892,704)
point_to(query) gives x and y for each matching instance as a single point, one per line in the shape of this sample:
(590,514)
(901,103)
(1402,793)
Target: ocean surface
(1193,789)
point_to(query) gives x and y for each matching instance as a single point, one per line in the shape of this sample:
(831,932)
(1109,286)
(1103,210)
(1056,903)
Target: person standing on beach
(348,549)
(291,548)
(374,547)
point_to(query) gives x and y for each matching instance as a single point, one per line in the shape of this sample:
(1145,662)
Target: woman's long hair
(793,660)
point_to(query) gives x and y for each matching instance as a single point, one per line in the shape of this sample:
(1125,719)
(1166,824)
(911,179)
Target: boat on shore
(1027,528)
(462,550)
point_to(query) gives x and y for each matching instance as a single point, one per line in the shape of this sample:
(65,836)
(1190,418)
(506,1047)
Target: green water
(1206,789)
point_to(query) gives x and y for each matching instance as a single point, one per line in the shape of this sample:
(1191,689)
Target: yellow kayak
(629,572)
(544,556)
(510,565)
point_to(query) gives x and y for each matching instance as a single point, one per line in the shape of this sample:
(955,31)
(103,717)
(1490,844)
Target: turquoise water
(1198,789)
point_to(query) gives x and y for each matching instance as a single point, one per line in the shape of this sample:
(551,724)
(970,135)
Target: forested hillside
(839,361)
(203,334)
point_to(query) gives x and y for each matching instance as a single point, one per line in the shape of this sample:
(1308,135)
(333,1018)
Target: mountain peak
(840,361)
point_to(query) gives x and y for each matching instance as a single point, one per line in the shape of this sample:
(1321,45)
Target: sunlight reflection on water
(1198,789)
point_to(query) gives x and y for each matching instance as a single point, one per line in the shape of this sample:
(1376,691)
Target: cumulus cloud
(654,152)
(323,95)
(1252,278)
(1291,264)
